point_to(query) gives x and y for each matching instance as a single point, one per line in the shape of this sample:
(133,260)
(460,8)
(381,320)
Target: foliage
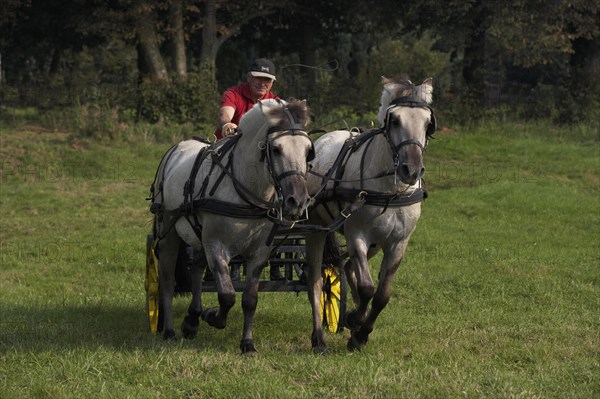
(415,56)
(193,100)
(344,117)
(525,58)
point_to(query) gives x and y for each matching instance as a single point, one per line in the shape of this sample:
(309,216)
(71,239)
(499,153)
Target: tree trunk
(473,69)
(308,54)
(210,42)
(55,62)
(178,58)
(213,38)
(585,59)
(150,59)
(214,35)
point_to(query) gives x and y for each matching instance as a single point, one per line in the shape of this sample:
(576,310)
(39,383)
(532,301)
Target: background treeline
(112,68)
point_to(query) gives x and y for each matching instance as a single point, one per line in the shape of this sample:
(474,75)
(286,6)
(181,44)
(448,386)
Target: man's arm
(225,116)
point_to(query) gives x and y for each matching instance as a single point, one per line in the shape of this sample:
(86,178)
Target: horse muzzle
(295,196)
(410,172)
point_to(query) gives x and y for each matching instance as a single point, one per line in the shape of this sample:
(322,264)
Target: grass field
(498,296)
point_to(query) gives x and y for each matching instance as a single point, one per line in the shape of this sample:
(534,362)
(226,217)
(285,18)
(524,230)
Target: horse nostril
(291,203)
(405,170)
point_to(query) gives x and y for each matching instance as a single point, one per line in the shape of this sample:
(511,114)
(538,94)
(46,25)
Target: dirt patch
(34,129)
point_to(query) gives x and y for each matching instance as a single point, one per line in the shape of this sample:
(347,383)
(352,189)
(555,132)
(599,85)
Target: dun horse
(223,200)
(381,168)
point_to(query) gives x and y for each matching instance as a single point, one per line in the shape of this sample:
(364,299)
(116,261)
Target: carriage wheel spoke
(330,298)
(151,285)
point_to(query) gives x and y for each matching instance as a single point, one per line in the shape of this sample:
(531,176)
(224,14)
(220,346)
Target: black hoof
(169,335)
(320,350)
(210,316)
(358,339)
(352,321)
(247,347)
(354,345)
(189,327)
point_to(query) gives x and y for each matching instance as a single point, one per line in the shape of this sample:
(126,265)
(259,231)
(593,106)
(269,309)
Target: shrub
(194,100)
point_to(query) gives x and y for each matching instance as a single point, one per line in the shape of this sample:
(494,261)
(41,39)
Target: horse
(223,200)
(380,170)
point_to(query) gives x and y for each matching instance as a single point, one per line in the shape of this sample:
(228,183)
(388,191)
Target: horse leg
(364,286)
(389,266)
(191,322)
(217,316)
(351,279)
(315,244)
(249,304)
(168,252)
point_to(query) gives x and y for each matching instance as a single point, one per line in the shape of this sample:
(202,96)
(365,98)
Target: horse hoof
(357,341)
(247,347)
(169,335)
(352,321)
(353,345)
(210,316)
(189,327)
(320,350)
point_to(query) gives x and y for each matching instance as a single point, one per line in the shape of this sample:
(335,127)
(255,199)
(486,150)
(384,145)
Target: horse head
(409,122)
(287,151)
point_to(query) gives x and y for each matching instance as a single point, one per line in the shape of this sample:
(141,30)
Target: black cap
(264,68)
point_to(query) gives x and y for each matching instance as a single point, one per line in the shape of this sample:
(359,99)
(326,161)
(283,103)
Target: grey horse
(384,169)
(223,200)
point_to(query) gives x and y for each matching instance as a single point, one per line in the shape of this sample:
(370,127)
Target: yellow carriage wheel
(331,298)
(151,285)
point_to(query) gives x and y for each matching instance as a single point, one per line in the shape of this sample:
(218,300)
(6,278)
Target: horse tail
(156,197)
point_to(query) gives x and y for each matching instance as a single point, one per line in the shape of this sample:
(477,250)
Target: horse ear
(426,90)
(428,82)
(385,80)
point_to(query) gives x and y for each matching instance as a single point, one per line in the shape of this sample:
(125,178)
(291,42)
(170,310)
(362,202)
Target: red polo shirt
(238,97)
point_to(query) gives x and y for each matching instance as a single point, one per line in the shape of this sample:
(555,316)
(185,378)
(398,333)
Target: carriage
(381,168)
(289,254)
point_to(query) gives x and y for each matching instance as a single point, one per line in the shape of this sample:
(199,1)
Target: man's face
(260,86)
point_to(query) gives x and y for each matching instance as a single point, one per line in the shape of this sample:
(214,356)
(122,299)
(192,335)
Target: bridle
(410,102)
(274,133)
(222,158)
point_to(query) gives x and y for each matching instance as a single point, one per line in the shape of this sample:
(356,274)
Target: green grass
(498,297)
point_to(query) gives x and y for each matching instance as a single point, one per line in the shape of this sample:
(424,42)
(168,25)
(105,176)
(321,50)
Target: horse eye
(395,122)
(276,151)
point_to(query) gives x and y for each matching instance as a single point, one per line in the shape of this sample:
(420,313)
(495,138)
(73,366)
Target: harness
(370,197)
(221,155)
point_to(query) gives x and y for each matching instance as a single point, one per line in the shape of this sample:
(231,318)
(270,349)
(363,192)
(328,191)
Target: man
(237,100)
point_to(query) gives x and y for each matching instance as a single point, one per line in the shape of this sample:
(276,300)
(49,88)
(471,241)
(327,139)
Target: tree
(216,20)
(177,38)
(492,38)
(150,60)
(223,19)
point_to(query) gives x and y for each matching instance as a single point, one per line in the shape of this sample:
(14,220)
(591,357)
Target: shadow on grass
(37,329)
(27,329)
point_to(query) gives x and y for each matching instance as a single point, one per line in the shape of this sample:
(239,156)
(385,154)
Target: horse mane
(275,113)
(296,108)
(401,86)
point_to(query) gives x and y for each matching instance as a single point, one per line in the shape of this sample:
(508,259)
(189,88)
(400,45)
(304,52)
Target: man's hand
(228,129)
